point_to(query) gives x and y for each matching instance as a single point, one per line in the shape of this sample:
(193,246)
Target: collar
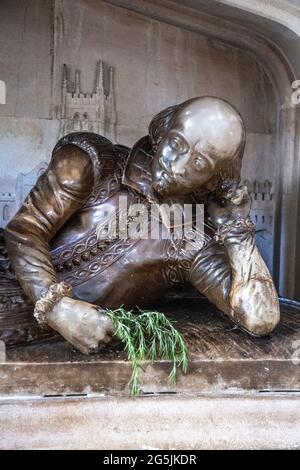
(138,169)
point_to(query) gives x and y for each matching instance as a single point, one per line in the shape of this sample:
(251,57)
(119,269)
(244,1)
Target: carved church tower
(94,112)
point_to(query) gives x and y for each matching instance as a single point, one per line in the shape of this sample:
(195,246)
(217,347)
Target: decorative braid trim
(49,298)
(232,228)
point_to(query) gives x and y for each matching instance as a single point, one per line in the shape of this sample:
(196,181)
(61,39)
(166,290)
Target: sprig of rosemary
(149,335)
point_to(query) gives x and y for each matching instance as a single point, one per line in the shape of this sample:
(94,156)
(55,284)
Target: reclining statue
(193,153)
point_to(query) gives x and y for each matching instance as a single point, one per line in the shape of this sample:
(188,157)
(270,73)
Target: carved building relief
(78,111)
(7,207)
(262,214)
(94,111)
(12,201)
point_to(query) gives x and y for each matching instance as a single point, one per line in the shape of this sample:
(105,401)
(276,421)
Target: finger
(110,328)
(108,324)
(83,348)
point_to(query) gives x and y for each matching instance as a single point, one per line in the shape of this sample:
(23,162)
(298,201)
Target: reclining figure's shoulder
(97,147)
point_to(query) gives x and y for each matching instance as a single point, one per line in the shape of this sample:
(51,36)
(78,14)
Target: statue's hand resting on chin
(225,210)
(82,324)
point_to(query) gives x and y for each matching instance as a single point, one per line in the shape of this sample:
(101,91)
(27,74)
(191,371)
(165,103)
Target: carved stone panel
(94,111)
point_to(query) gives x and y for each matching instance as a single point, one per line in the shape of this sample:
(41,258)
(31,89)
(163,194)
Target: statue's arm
(234,275)
(58,193)
(252,299)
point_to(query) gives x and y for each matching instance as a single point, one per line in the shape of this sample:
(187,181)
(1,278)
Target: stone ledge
(223,359)
(160,422)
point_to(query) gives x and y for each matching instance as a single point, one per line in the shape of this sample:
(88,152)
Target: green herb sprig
(149,335)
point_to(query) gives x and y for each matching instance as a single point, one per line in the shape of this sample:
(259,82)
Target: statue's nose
(179,165)
(164,162)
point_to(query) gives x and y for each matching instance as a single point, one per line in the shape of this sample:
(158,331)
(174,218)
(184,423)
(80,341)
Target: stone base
(153,422)
(240,392)
(223,359)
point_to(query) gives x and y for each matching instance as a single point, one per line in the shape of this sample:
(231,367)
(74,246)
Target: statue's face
(178,167)
(204,134)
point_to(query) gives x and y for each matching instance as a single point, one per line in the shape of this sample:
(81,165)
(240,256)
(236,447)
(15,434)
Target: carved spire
(256,187)
(100,97)
(268,187)
(64,89)
(100,78)
(65,77)
(112,117)
(111,81)
(77,82)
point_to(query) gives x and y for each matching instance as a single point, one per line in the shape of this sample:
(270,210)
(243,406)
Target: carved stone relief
(11,202)
(94,111)
(262,214)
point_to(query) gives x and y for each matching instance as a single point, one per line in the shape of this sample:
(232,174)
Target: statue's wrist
(48,300)
(235,230)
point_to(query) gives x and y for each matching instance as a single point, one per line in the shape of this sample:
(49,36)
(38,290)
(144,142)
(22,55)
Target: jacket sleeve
(211,275)
(58,193)
(235,278)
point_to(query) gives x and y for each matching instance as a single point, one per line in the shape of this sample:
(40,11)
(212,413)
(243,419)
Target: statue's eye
(176,145)
(198,163)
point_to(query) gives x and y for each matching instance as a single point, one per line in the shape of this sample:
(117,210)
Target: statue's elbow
(256,310)
(264,324)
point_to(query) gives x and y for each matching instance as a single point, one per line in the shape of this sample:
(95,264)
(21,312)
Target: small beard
(161,187)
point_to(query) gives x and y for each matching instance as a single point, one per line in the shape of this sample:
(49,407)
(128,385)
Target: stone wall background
(156,65)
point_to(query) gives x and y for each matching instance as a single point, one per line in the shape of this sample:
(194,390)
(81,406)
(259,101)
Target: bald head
(194,140)
(212,126)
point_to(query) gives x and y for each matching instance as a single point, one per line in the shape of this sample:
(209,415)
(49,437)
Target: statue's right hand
(82,324)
